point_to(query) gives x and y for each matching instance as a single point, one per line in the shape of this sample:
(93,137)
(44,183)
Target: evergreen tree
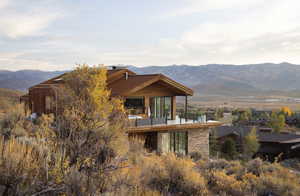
(228,149)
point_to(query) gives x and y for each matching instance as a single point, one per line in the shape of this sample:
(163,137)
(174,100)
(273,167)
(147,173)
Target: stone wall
(198,141)
(163,141)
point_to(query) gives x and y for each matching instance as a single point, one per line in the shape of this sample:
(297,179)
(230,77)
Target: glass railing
(137,121)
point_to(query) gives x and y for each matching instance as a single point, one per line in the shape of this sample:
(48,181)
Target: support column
(173,107)
(186,107)
(147,105)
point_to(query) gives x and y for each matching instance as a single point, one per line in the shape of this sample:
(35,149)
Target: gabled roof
(279,137)
(242,131)
(120,86)
(134,83)
(55,80)
(111,75)
(236,130)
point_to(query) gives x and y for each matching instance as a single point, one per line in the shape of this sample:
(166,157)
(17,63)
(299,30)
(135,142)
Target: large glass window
(135,105)
(168,107)
(161,107)
(178,142)
(49,104)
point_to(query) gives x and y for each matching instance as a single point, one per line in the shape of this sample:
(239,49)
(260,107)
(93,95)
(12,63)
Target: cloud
(22,18)
(4,3)
(245,32)
(200,6)
(198,32)
(17,61)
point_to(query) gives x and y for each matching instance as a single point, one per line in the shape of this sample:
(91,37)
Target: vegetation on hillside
(85,151)
(7,98)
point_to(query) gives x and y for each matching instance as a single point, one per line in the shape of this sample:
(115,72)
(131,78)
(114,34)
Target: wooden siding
(154,90)
(37,97)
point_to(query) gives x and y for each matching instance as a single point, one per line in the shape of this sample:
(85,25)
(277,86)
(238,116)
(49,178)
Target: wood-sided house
(272,145)
(150,100)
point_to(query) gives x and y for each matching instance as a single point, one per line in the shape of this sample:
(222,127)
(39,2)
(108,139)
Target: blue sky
(57,34)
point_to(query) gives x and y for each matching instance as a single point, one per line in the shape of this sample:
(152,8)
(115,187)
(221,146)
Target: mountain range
(212,79)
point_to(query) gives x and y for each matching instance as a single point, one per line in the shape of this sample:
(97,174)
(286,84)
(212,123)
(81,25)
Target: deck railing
(165,121)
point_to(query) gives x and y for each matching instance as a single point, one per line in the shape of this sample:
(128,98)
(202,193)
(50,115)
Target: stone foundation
(198,141)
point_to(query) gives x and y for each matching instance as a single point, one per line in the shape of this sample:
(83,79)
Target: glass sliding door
(161,107)
(178,142)
(168,107)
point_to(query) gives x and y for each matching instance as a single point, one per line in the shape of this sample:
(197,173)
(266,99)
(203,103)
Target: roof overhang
(179,88)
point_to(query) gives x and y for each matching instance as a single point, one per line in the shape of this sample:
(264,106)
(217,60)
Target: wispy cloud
(200,6)
(20,18)
(40,34)
(246,31)
(3,3)
(17,61)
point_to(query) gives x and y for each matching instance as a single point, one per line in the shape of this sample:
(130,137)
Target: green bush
(228,149)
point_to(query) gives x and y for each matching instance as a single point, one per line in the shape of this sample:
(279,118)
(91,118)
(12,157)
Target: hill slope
(233,79)
(21,80)
(9,93)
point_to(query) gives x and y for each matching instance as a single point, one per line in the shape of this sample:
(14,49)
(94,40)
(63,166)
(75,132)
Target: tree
(286,111)
(251,144)
(277,121)
(243,117)
(89,133)
(228,149)
(213,143)
(264,116)
(219,113)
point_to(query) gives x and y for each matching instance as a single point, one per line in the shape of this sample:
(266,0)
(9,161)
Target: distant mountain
(233,79)
(213,79)
(22,80)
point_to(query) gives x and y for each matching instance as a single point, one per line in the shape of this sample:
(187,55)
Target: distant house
(293,120)
(287,145)
(150,101)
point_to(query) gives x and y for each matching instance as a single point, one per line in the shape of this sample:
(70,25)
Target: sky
(59,34)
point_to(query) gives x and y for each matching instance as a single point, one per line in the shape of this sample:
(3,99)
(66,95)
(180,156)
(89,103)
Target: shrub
(228,149)
(14,122)
(196,156)
(172,175)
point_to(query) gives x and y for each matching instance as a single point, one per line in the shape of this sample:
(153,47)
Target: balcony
(138,123)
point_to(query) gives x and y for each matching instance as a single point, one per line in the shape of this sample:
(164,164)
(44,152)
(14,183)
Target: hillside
(23,79)
(213,79)
(8,97)
(234,80)
(10,94)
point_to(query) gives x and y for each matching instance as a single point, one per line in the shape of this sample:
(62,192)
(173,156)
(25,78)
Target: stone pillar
(198,141)
(163,142)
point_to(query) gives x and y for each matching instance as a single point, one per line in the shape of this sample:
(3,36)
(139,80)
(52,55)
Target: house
(150,100)
(272,145)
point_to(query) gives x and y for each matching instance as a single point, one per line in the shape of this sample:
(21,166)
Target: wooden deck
(164,127)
